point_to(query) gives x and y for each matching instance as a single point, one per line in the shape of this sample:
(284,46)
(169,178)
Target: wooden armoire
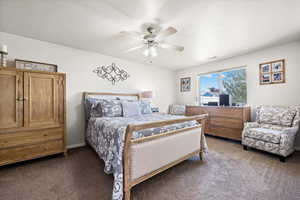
(32,114)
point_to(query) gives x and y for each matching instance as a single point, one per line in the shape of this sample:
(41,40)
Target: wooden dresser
(32,114)
(223,121)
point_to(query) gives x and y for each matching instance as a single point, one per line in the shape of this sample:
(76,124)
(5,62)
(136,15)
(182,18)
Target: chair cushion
(276,115)
(267,135)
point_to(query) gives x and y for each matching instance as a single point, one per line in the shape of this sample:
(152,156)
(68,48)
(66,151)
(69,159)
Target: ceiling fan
(153,38)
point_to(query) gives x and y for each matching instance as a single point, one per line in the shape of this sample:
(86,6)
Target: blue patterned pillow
(111,108)
(145,107)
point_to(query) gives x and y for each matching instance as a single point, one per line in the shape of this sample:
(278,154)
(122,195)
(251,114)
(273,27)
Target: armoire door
(40,100)
(11,99)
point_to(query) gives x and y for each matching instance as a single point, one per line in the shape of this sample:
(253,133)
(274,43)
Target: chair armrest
(287,140)
(290,130)
(248,125)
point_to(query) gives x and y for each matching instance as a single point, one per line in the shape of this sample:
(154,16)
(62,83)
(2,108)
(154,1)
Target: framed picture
(277,66)
(36,66)
(272,72)
(265,79)
(185,84)
(277,77)
(266,68)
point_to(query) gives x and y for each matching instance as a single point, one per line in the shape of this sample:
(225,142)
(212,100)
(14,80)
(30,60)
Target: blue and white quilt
(107,135)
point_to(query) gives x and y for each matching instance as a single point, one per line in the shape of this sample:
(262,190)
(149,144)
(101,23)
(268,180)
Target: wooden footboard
(129,142)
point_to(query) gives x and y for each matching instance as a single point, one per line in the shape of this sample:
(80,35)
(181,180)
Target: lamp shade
(147,94)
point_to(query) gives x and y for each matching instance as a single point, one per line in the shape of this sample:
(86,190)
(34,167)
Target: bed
(127,144)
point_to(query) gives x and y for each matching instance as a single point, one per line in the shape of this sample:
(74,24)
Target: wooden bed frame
(128,183)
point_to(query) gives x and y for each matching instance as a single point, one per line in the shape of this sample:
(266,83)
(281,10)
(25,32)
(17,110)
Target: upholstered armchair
(274,131)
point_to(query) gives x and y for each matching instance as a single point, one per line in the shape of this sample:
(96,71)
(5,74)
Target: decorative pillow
(277,115)
(111,108)
(96,109)
(145,107)
(177,109)
(131,108)
(288,117)
(89,102)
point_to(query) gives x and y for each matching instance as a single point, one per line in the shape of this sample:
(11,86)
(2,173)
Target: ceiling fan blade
(135,48)
(132,34)
(171,46)
(167,32)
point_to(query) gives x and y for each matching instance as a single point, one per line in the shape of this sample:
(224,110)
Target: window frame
(198,98)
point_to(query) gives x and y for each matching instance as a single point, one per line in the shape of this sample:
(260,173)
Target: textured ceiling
(206,28)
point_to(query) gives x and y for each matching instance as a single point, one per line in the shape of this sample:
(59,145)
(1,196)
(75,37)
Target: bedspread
(107,135)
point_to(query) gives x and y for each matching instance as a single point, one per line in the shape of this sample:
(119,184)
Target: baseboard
(72,146)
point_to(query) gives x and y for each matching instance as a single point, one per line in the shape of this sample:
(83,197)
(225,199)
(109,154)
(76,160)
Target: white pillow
(131,108)
(177,109)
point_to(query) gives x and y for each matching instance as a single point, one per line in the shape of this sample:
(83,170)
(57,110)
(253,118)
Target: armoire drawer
(16,154)
(29,137)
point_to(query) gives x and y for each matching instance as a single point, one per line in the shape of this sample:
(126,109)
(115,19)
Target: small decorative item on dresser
(272,72)
(3,55)
(37,66)
(185,84)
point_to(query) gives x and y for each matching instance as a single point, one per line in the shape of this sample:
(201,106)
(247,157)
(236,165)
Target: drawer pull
(45,135)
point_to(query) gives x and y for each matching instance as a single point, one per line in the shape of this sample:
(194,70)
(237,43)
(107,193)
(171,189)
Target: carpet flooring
(229,173)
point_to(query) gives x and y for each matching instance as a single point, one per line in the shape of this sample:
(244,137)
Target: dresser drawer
(16,154)
(226,112)
(226,122)
(234,134)
(29,137)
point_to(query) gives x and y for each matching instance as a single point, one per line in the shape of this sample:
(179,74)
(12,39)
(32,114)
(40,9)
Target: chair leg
(245,147)
(282,158)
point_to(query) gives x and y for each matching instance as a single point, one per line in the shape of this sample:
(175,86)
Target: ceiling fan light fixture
(146,52)
(150,52)
(153,51)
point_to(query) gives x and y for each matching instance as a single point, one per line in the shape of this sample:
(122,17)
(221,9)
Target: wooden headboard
(108,95)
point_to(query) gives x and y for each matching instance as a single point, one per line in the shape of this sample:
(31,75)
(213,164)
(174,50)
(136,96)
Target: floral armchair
(274,131)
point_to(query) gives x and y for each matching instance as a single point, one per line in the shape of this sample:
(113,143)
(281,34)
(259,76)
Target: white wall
(78,65)
(277,94)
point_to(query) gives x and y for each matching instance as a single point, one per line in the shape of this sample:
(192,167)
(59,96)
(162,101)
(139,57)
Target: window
(232,82)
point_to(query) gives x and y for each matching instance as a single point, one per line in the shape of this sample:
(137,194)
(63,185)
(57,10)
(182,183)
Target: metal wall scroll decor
(112,73)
